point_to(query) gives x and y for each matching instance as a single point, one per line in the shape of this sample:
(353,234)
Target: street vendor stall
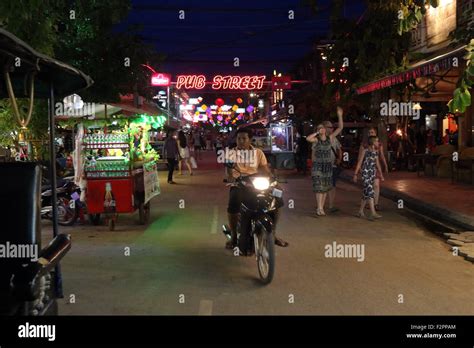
(121,171)
(276,141)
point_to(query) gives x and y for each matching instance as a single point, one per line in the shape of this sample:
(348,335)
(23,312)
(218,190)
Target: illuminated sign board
(160,79)
(221,82)
(281,82)
(200,118)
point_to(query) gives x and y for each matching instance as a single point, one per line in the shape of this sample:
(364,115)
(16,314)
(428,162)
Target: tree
(85,35)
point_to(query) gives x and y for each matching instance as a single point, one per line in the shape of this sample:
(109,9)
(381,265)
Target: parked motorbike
(68,195)
(255,228)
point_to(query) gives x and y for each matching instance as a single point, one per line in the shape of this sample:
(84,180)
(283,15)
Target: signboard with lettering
(220,82)
(281,82)
(160,79)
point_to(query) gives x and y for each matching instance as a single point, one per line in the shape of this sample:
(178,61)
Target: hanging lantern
(250,108)
(235,107)
(219,102)
(219,117)
(196,113)
(239,100)
(204,107)
(199,99)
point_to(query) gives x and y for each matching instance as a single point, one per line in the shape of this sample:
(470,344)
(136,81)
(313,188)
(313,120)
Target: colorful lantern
(204,107)
(219,102)
(239,100)
(219,117)
(235,107)
(250,108)
(199,99)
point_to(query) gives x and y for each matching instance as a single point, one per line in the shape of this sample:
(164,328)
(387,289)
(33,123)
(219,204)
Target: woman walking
(322,161)
(372,132)
(183,153)
(368,164)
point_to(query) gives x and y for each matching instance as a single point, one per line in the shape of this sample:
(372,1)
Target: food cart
(121,172)
(276,141)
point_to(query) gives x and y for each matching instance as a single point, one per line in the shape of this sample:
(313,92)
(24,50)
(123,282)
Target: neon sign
(159,79)
(220,82)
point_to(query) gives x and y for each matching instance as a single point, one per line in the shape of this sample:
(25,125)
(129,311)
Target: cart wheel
(94,219)
(144,213)
(111,224)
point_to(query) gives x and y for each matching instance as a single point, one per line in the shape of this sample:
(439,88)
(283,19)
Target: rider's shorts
(236,197)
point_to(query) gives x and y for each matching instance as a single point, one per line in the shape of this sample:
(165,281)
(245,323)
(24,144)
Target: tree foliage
(84,34)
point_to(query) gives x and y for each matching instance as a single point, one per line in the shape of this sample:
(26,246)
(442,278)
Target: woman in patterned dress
(322,161)
(372,131)
(368,164)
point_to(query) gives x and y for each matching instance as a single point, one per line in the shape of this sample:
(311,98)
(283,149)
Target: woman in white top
(183,152)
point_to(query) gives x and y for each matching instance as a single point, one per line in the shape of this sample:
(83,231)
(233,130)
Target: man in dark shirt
(171,153)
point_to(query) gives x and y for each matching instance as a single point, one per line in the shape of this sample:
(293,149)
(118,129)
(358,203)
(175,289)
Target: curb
(457,220)
(448,224)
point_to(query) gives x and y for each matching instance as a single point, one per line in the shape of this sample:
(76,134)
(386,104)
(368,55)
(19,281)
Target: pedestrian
(430,141)
(368,164)
(208,141)
(171,153)
(336,159)
(301,153)
(219,144)
(372,132)
(197,144)
(183,153)
(322,162)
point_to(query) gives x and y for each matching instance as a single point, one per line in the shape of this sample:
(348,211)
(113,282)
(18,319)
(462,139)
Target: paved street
(182,252)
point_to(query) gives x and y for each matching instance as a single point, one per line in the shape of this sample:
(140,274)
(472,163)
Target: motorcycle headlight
(261,183)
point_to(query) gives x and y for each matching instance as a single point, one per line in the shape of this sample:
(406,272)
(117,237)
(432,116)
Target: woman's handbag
(193,162)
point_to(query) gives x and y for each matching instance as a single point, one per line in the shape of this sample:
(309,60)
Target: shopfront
(431,81)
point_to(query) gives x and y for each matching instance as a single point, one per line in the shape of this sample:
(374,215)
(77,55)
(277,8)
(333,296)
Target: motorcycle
(255,227)
(68,195)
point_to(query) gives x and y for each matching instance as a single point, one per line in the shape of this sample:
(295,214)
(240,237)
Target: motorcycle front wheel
(265,254)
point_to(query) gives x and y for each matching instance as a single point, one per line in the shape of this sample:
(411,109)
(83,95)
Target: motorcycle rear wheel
(265,255)
(66,216)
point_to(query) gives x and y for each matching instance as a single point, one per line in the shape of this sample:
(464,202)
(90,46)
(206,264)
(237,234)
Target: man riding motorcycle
(248,161)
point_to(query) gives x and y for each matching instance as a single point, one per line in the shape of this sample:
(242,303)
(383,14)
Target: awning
(128,107)
(422,68)
(99,113)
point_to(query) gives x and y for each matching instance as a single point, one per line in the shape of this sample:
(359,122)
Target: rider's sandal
(281,243)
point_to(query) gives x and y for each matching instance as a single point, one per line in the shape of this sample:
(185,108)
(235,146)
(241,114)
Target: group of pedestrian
(176,150)
(327,159)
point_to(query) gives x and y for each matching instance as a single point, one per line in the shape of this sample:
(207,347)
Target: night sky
(215,31)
